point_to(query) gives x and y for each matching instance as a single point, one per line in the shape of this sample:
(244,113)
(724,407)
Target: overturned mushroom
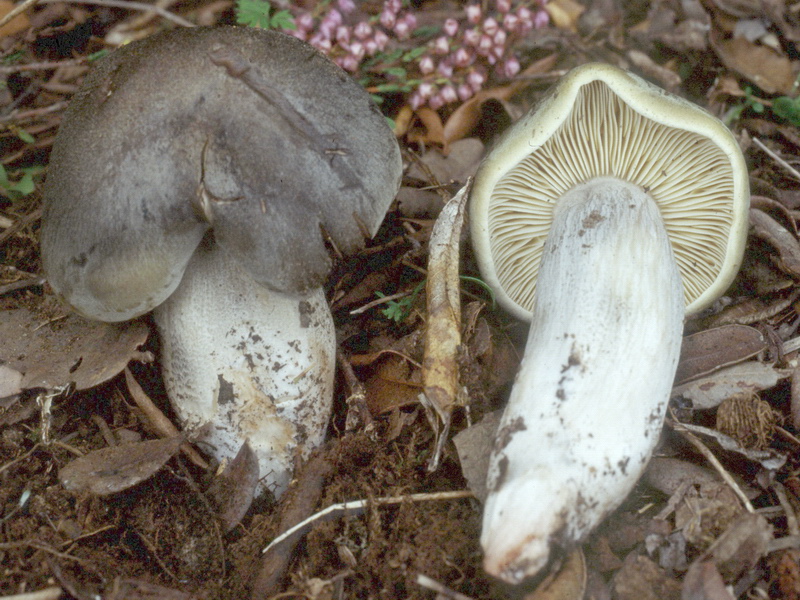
(203,173)
(603,215)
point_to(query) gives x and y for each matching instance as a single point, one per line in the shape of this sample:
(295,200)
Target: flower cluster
(449,66)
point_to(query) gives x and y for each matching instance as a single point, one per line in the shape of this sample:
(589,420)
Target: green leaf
(98,55)
(25,136)
(283,19)
(426,31)
(398,72)
(253,13)
(787,108)
(414,54)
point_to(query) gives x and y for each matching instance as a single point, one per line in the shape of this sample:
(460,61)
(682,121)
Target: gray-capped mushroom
(203,173)
(630,207)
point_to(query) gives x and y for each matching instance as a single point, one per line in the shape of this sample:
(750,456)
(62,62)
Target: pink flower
(450,27)
(441,45)
(334,17)
(473,13)
(300,34)
(402,30)
(511,22)
(426,65)
(393,5)
(510,67)
(357,51)
(541,19)
(371,47)
(448,94)
(350,63)
(343,35)
(426,90)
(436,102)
(499,38)
(472,37)
(388,19)
(381,39)
(490,26)
(415,101)
(445,68)
(462,58)
(476,79)
(321,43)
(305,22)
(346,6)
(465,92)
(485,46)
(503,6)
(362,30)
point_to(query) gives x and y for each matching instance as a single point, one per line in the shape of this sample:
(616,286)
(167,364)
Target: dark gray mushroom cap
(249,132)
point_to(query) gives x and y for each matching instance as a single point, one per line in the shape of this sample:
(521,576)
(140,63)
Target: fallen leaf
(565,13)
(232,491)
(769,459)
(465,118)
(443,331)
(708,392)
(135,589)
(642,579)
(474,445)
(766,68)
(740,548)
(703,582)
(111,470)
(454,167)
(706,351)
(70,350)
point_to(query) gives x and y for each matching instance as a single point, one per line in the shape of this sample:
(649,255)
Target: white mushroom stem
(590,398)
(244,363)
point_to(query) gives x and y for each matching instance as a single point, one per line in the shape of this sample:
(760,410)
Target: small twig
(709,456)
(20,115)
(43,66)
(20,225)
(357,409)
(379,301)
(17,11)
(357,507)
(21,284)
(789,168)
(50,593)
(442,591)
(130,5)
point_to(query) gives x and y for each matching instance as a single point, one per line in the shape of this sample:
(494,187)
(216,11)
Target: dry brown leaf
(135,589)
(565,13)
(443,331)
(474,446)
(708,392)
(770,71)
(112,470)
(158,421)
(53,354)
(431,132)
(703,582)
(465,118)
(232,491)
(740,548)
(706,351)
(641,579)
(395,383)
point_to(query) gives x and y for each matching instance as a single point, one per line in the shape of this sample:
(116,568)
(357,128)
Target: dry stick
(304,497)
(43,66)
(50,593)
(21,284)
(158,421)
(441,590)
(357,507)
(791,517)
(789,168)
(17,11)
(129,5)
(709,456)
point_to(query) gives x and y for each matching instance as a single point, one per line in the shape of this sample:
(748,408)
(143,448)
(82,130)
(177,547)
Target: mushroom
(206,174)
(603,216)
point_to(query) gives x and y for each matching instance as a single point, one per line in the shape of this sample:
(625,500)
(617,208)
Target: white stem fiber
(589,401)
